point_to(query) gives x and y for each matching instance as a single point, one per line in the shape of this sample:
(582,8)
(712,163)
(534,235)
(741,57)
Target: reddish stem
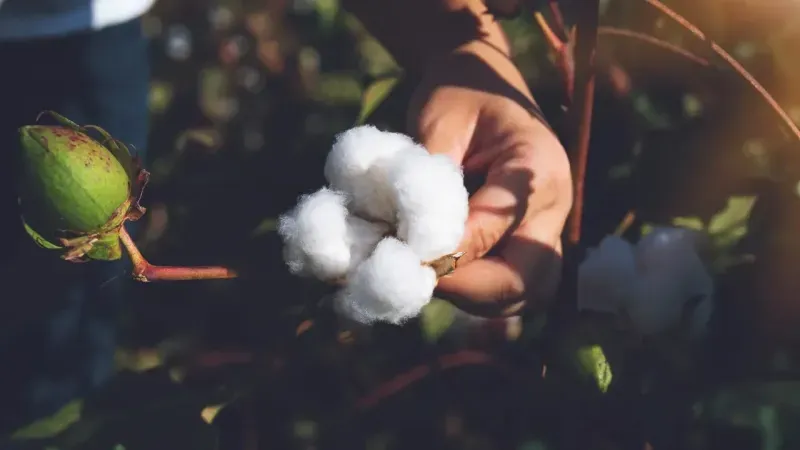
(646,38)
(145,272)
(731,61)
(418,373)
(563,54)
(580,111)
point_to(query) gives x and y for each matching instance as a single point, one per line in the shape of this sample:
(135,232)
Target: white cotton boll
(390,286)
(321,238)
(607,277)
(657,304)
(353,166)
(670,275)
(432,202)
(701,317)
(363,236)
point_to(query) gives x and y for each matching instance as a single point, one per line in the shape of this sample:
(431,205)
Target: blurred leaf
(327,10)
(160,97)
(376,59)
(141,412)
(374,95)
(207,137)
(437,316)
(644,106)
(215,94)
(138,360)
(732,219)
(268,225)
(593,362)
(337,89)
(53,425)
(692,106)
(210,412)
(692,223)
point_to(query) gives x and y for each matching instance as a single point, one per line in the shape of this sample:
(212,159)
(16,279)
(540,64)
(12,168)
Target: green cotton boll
(74,192)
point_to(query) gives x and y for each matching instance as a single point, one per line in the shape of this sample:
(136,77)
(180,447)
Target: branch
(145,272)
(731,62)
(646,38)
(580,111)
(420,372)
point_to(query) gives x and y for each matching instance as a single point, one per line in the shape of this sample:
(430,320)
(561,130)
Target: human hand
(474,106)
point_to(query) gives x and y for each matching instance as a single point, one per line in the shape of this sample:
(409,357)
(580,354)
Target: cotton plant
(386,227)
(651,282)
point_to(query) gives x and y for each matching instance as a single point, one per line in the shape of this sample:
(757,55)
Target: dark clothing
(58,320)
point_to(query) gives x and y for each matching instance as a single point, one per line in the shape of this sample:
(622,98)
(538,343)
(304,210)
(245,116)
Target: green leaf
(146,411)
(268,225)
(337,89)
(593,362)
(437,316)
(53,425)
(374,95)
(692,223)
(40,241)
(327,10)
(734,216)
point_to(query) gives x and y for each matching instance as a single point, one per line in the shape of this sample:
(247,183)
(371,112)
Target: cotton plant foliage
(390,208)
(651,282)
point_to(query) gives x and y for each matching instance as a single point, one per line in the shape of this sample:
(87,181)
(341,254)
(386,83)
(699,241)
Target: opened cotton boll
(671,274)
(390,286)
(356,165)
(653,282)
(606,278)
(432,202)
(321,238)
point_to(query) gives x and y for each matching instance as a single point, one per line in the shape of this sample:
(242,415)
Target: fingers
(520,211)
(498,206)
(526,272)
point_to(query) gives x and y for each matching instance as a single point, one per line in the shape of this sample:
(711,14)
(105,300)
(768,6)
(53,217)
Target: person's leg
(63,345)
(115,97)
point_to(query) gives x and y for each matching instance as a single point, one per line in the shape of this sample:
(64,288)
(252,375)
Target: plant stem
(410,377)
(731,62)
(652,40)
(580,111)
(145,272)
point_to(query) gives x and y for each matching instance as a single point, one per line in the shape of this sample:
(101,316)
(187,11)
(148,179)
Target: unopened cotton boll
(321,238)
(390,286)
(432,202)
(355,165)
(606,278)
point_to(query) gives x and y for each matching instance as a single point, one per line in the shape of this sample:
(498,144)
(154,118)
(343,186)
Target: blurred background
(246,97)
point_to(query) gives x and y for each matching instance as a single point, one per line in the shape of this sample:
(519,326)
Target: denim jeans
(58,319)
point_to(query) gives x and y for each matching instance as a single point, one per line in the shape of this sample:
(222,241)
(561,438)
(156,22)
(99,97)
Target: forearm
(417,32)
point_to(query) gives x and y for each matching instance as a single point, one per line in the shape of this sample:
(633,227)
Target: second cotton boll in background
(652,282)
